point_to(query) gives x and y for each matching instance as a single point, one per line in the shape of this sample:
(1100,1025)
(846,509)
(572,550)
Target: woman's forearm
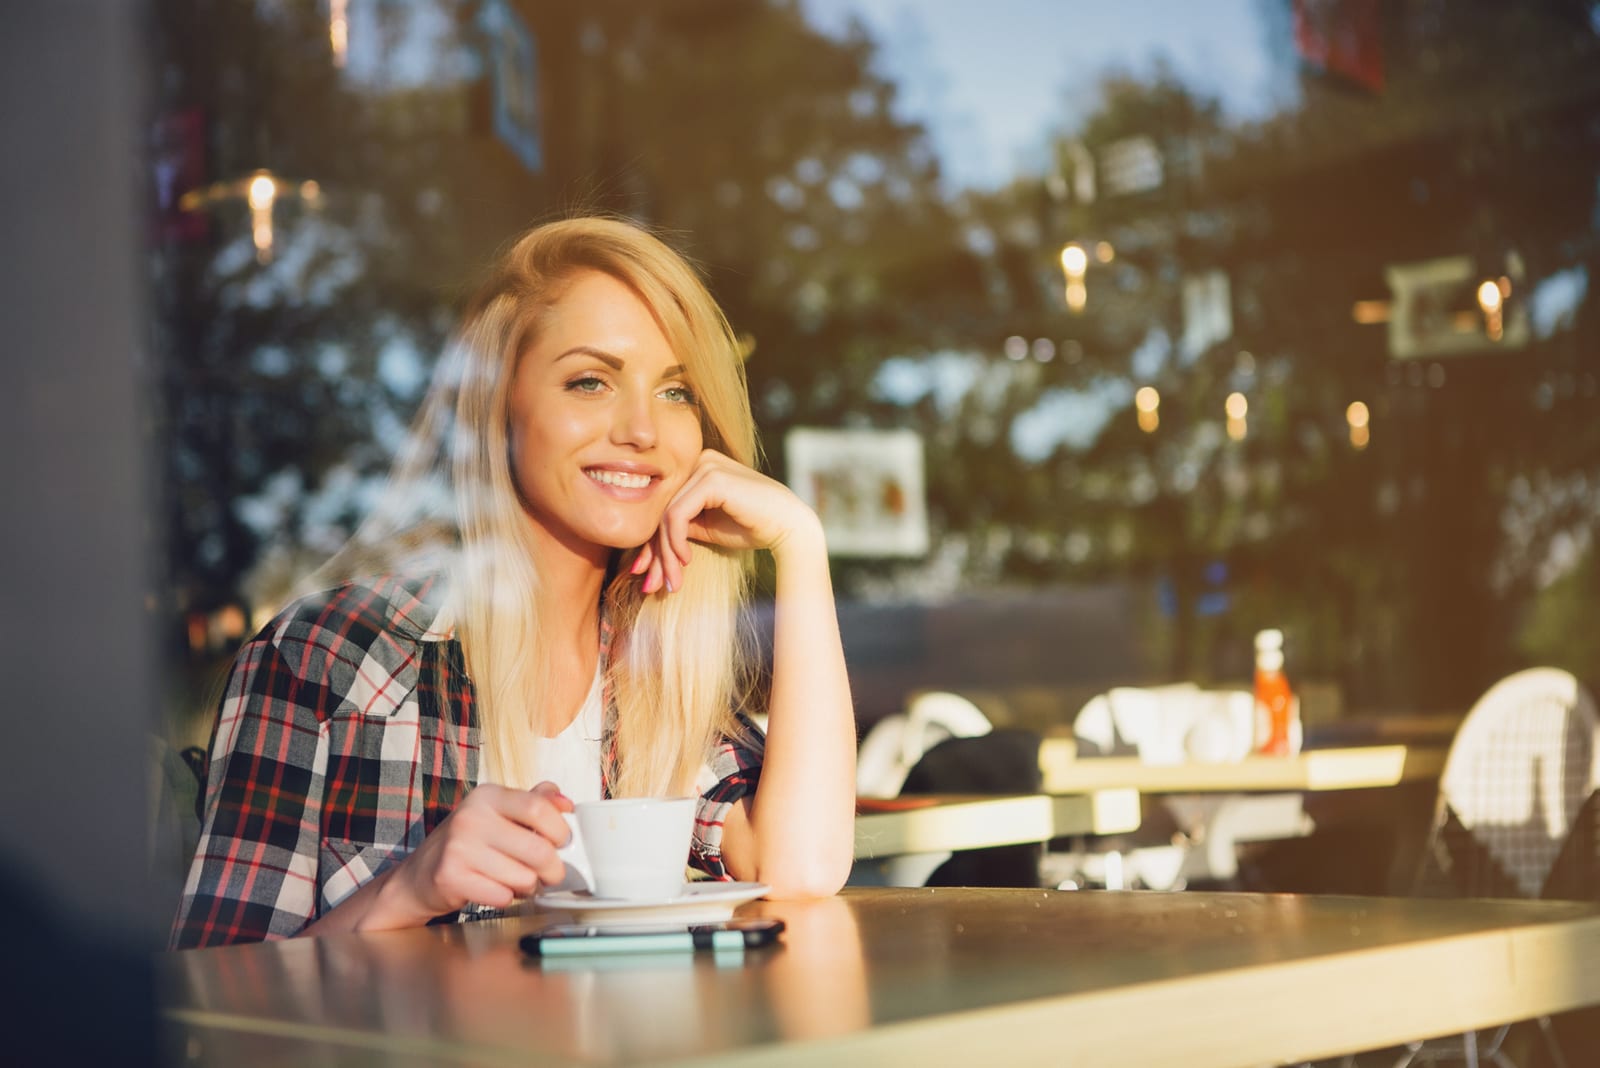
(373,907)
(802,819)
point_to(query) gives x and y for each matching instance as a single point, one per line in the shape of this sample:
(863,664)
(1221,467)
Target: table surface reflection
(909,976)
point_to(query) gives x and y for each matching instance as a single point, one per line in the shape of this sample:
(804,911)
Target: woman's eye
(679,394)
(586,384)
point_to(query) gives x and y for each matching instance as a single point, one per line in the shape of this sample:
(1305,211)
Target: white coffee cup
(637,847)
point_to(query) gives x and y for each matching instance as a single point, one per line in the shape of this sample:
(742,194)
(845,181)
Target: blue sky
(991,78)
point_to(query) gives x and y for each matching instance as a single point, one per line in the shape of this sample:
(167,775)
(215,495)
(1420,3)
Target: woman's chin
(622,540)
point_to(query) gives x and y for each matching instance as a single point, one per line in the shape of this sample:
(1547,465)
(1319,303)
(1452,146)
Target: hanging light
(1074,263)
(1147,403)
(261,191)
(1492,302)
(1236,406)
(339,31)
(1359,419)
(261,194)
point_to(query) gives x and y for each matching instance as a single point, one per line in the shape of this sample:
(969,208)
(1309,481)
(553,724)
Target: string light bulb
(260,194)
(1074,263)
(1359,419)
(1147,404)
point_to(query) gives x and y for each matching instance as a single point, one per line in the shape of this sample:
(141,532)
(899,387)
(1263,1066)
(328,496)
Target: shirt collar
(416,607)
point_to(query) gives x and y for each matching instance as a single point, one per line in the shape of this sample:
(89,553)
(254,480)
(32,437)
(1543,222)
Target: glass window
(1103,338)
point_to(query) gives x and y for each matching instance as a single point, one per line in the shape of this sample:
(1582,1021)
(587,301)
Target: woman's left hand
(726,504)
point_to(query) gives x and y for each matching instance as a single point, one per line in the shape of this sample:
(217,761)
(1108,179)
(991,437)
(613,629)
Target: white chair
(895,743)
(1516,815)
(1149,722)
(886,756)
(1167,724)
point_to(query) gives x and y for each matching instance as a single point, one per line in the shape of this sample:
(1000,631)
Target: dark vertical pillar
(77,684)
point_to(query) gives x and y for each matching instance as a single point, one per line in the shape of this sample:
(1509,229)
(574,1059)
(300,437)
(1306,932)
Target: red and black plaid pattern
(345,734)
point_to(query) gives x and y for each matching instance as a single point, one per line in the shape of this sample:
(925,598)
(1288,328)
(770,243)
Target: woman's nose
(634,423)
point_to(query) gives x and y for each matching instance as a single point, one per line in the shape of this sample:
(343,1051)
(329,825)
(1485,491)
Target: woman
(380,753)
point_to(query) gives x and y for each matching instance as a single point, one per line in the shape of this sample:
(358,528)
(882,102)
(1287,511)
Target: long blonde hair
(678,664)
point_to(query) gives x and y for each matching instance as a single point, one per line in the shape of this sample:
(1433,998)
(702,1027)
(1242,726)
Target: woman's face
(604,425)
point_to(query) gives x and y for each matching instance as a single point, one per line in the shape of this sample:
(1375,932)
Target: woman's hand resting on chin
(726,504)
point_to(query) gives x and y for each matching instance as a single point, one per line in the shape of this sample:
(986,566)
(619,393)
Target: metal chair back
(1516,815)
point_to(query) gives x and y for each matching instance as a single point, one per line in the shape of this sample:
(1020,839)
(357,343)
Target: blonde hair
(677,664)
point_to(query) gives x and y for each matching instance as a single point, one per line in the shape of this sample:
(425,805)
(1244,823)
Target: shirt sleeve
(254,873)
(729,776)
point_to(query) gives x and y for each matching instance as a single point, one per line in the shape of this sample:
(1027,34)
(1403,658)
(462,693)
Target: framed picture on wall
(865,485)
(1439,308)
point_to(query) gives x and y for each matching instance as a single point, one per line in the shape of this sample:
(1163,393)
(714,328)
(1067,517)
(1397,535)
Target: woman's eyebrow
(616,362)
(613,362)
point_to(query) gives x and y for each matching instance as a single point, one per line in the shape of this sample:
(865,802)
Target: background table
(1355,768)
(900,841)
(1259,799)
(1264,800)
(945,822)
(919,976)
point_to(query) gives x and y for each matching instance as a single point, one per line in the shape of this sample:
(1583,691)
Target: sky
(991,78)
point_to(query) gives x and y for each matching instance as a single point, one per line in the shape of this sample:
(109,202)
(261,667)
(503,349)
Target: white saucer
(702,902)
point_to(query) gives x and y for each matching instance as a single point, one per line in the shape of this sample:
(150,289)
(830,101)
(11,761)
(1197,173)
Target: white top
(571,759)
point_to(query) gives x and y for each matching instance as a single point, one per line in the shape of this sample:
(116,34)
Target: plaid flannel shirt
(346,733)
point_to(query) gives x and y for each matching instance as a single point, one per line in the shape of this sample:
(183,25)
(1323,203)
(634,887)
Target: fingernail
(639,564)
(669,585)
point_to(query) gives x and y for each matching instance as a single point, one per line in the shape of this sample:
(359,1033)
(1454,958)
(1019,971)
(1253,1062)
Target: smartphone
(576,939)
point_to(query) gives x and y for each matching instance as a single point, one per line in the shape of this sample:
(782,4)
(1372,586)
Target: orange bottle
(1276,706)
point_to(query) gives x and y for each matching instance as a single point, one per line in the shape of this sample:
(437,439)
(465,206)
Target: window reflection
(1299,334)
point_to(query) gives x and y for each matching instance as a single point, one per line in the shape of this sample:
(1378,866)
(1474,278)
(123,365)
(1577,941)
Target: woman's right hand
(498,845)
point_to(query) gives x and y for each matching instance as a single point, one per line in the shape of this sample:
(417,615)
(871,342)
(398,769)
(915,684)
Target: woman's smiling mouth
(619,479)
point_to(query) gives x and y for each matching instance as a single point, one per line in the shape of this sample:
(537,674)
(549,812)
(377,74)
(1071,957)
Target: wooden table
(912,976)
(1360,767)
